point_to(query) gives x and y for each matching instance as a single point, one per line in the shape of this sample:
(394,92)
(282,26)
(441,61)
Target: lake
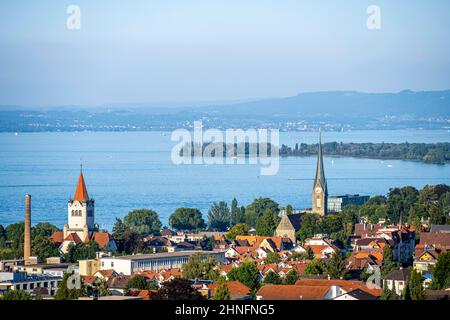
(129,170)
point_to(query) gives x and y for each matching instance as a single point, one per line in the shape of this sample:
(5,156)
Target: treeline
(438,153)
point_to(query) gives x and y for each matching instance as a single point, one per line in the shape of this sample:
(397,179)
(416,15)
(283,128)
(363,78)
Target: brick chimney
(27,237)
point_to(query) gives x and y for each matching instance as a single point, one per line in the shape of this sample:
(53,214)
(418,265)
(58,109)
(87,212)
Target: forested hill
(438,153)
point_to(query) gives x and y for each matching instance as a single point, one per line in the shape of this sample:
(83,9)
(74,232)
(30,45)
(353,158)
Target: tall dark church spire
(320,192)
(320,172)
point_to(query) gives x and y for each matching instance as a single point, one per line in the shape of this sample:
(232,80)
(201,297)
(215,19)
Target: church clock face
(318,190)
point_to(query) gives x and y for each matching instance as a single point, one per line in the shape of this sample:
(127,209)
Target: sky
(211,50)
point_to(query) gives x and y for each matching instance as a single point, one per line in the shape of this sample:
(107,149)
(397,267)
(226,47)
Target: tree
(119,230)
(16,295)
(81,251)
(309,226)
(291,277)
(195,268)
(132,242)
(240,229)
(272,257)
(143,221)
(102,287)
(388,294)
(441,272)
(178,289)
(316,266)
(256,209)
(43,229)
(15,233)
(137,282)
(187,219)
(43,248)
(388,261)
(237,215)
(289,209)
(222,292)
(267,223)
(335,267)
(272,278)
(2,237)
(219,217)
(414,288)
(247,273)
(72,293)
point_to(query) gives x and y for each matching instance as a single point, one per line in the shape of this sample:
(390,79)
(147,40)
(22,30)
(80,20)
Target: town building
(288,226)
(29,283)
(397,279)
(337,203)
(131,264)
(81,227)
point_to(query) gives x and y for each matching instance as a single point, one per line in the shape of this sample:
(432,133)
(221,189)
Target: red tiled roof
(101,238)
(81,193)
(292,292)
(73,237)
(57,237)
(236,288)
(347,285)
(434,238)
(89,279)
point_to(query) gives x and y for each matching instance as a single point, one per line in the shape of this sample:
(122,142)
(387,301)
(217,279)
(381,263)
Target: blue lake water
(129,170)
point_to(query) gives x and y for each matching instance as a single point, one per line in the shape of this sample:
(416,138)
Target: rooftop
(164,255)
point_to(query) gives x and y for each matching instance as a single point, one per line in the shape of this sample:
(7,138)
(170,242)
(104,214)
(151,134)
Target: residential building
(131,264)
(22,281)
(397,279)
(337,203)
(288,226)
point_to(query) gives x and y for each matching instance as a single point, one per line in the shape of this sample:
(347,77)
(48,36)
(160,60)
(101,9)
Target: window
(112,264)
(73,213)
(318,203)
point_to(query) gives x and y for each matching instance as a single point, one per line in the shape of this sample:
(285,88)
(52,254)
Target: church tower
(80,211)
(320,190)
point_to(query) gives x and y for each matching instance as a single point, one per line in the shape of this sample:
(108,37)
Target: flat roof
(164,255)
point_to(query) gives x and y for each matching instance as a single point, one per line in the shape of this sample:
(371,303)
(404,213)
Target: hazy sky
(185,50)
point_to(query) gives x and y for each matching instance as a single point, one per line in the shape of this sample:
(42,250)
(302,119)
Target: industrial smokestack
(27,236)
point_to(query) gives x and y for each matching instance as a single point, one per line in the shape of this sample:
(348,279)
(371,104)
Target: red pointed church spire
(81,193)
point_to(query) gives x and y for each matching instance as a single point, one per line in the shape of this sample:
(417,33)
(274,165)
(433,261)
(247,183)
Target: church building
(290,223)
(80,226)
(320,190)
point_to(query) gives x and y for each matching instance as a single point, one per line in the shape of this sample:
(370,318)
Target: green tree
(187,219)
(143,221)
(222,292)
(64,293)
(316,266)
(15,234)
(43,248)
(289,209)
(2,237)
(81,251)
(178,289)
(119,230)
(132,242)
(256,209)
(16,295)
(335,267)
(102,287)
(237,215)
(291,277)
(196,268)
(43,229)
(414,288)
(272,257)
(388,294)
(240,229)
(247,273)
(137,282)
(309,226)
(267,223)
(272,278)
(219,217)
(388,261)
(441,272)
